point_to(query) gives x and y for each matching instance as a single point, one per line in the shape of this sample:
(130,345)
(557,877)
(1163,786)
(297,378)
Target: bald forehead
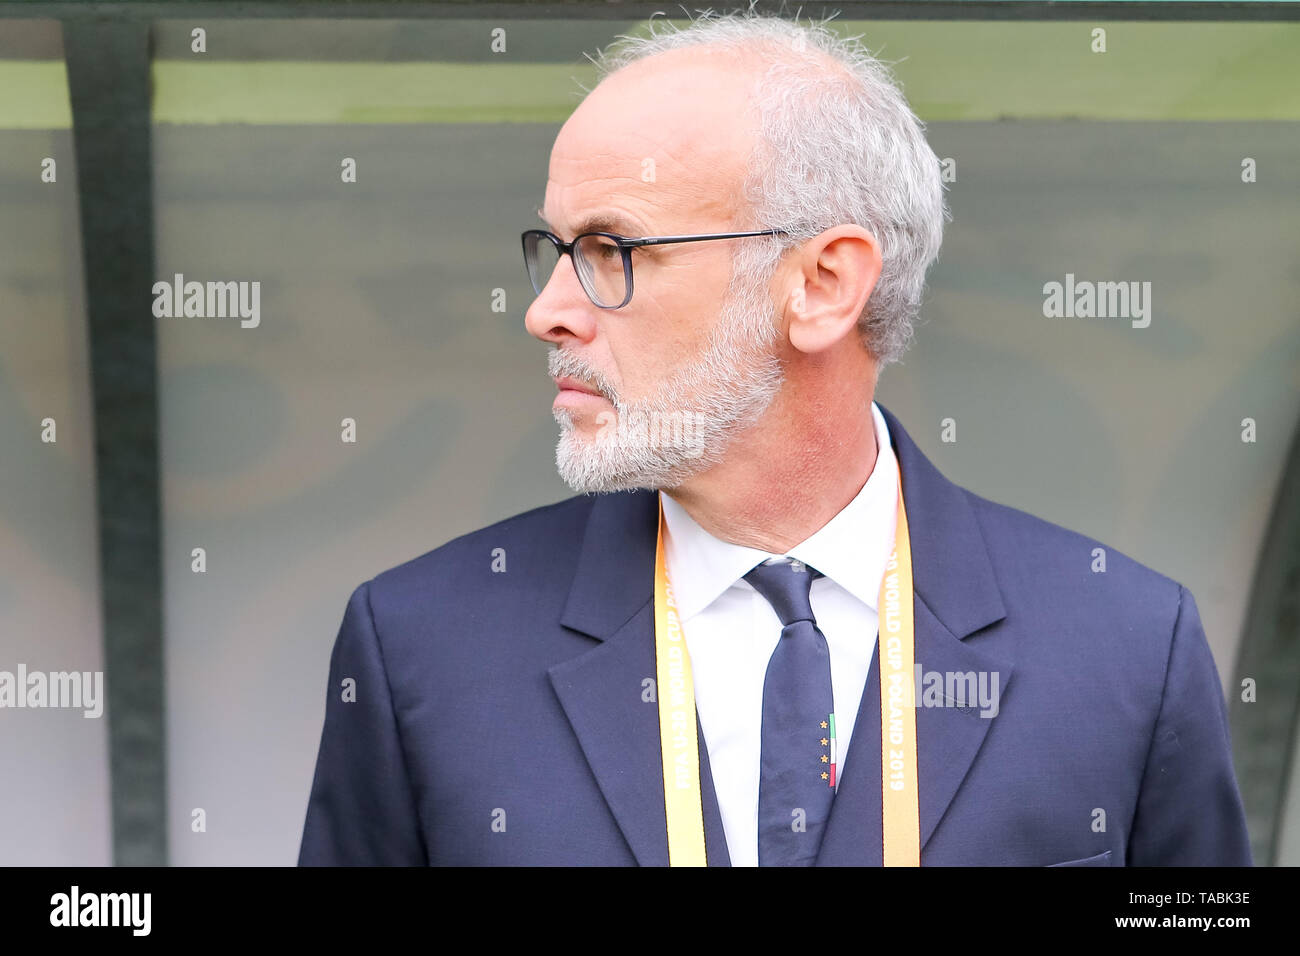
(673,129)
(692,91)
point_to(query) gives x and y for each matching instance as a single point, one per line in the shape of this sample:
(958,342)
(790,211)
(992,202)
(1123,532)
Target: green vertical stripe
(108,83)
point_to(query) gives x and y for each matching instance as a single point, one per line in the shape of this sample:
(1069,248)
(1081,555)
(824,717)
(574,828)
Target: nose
(562,310)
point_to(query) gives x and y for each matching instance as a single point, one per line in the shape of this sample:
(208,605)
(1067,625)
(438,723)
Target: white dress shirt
(731,630)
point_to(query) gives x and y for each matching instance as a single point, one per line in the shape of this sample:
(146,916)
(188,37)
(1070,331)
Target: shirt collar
(851,549)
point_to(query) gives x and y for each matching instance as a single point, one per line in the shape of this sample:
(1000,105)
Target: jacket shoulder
(1013,526)
(1048,556)
(520,537)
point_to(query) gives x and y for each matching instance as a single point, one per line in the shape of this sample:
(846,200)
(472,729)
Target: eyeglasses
(602,260)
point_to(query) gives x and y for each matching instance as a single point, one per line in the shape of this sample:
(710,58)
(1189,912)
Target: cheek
(645,360)
(668,322)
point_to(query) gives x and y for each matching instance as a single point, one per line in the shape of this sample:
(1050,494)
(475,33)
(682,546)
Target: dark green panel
(1264,730)
(108,80)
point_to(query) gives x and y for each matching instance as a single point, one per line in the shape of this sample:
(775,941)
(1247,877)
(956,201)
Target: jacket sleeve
(362,810)
(1189,810)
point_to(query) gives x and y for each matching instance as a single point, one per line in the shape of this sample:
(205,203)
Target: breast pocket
(1101,859)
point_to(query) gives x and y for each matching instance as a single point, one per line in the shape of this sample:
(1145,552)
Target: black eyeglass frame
(625,246)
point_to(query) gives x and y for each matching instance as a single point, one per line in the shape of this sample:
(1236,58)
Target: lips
(569,384)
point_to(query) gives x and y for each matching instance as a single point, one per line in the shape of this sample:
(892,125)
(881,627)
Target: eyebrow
(600,222)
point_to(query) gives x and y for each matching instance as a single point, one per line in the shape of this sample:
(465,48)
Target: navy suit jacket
(500,716)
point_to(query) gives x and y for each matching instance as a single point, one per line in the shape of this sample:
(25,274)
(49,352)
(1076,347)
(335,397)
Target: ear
(834,273)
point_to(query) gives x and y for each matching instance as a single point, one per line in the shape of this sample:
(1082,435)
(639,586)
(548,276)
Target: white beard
(687,425)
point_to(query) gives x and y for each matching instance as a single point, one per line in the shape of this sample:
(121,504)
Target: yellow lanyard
(679,744)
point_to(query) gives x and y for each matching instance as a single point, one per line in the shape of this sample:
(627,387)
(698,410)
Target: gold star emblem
(825,759)
(826,776)
(825,741)
(824,725)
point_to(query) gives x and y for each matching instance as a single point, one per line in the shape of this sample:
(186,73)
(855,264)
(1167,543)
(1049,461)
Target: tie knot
(786,587)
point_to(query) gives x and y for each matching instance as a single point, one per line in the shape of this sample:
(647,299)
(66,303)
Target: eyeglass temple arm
(664,240)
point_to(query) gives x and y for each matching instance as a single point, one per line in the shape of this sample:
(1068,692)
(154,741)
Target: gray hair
(837,144)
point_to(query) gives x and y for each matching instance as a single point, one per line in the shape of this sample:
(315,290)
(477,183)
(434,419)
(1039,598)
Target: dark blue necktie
(797,781)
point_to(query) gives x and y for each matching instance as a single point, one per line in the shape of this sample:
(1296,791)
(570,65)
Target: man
(515,697)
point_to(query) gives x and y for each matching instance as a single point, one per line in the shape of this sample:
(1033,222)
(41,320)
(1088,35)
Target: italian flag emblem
(828,755)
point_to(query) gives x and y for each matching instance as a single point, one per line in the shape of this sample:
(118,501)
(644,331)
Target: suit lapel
(956,595)
(601,689)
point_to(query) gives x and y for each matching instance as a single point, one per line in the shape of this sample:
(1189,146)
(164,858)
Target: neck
(788,475)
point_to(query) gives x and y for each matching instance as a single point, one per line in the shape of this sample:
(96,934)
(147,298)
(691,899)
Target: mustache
(565,364)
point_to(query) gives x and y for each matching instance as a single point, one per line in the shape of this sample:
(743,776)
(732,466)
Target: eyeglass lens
(597,259)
